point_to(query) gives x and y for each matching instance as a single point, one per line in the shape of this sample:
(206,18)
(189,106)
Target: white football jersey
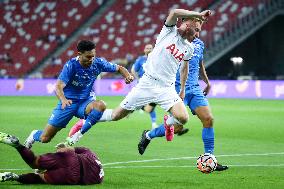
(169,52)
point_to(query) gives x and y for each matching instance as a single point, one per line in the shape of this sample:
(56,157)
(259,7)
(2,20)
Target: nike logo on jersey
(175,52)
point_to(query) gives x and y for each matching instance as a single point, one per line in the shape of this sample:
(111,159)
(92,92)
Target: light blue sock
(157,132)
(208,139)
(37,135)
(153,116)
(93,117)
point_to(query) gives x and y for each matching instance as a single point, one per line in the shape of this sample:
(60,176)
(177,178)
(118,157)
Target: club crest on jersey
(175,52)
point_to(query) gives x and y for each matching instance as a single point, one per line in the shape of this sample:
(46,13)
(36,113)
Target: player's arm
(183,78)
(60,94)
(204,77)
(124,72)
(182,13)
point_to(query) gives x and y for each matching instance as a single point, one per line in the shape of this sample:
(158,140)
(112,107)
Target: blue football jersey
(138,65)
(193,65)
(79,81)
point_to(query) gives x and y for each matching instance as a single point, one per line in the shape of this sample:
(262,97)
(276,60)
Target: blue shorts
(61,117)
(194,98)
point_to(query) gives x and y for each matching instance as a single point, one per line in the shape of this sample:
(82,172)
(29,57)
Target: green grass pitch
(249,137)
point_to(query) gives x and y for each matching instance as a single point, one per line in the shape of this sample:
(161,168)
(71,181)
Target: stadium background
(244,58)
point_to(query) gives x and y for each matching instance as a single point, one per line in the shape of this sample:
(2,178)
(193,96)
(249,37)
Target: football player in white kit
(173,48)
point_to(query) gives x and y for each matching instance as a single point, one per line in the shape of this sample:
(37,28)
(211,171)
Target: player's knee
(208,121)
(99,105)
(184,120)
(181,120)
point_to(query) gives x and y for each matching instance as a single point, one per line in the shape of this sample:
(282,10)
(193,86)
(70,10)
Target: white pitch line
(179,158)
(170,159)
(188,166)
(161,166)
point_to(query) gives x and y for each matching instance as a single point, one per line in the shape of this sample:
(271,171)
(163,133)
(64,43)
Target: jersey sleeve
(106,66)
(66,72)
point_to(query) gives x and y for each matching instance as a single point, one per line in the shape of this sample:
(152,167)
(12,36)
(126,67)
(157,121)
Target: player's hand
(182,94)
(207,89)
(205,15)
(65,102)
(129,79)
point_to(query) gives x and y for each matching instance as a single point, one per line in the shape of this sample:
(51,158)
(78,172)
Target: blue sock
(157,132)
(37,135)
(93,117)
(153,116)
(208,139)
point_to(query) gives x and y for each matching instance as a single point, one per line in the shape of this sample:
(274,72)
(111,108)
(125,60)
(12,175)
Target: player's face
(86,58)
(148,48)
(192,29)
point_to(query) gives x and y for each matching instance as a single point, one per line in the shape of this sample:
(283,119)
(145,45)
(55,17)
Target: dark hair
(85,45)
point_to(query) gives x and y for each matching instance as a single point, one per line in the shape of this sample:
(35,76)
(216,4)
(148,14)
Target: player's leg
(108,115)
(178,117)
(186,100)
(43,136)
(205,116)
(119,113)
(147,136)
(27,155)
(182,131)
(76,127)
(58,120)
(150,108)
(29,178)
(93,111)
(170,101)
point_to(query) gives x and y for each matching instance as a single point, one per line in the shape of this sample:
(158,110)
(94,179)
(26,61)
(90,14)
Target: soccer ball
(206,163)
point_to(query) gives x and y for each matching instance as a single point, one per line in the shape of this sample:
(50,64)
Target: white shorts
(150,90)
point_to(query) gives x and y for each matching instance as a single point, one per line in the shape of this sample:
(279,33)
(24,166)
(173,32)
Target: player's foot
(8,176)
(183,131)
(9,139)
(30,140)
(169,132)
(74,138)
(143,142)
(76,127)
(220,167)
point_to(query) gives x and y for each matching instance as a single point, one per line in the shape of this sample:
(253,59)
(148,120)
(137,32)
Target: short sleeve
(66,72)
(106,66)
